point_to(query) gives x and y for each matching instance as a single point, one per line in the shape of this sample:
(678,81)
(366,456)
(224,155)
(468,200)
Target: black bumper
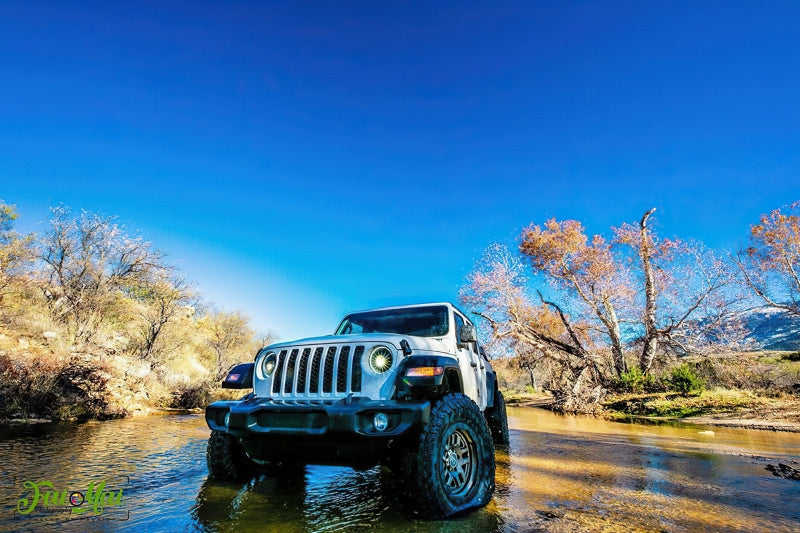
(341,432)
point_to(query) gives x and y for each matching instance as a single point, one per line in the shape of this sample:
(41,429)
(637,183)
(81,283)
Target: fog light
(227,418)
(380,421)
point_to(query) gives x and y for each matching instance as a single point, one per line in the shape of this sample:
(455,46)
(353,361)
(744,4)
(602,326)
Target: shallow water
(560,473)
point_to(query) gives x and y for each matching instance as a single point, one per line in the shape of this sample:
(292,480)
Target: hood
(419,345)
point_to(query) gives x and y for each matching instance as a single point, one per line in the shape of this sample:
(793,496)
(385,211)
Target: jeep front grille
(333,371)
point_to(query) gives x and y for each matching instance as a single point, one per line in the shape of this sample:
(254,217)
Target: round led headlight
(268,364)
(380,359)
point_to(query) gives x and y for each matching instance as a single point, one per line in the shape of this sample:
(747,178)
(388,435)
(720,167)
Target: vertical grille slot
(327,377)
(302,367)
(341,369)
(278,374)
(355,376)
(313,386)
(288,378)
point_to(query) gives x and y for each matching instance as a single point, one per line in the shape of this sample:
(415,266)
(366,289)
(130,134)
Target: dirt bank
(772,414)
(740,409)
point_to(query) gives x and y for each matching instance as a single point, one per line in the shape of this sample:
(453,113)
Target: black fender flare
(491,387)
(449,378)
(239,377)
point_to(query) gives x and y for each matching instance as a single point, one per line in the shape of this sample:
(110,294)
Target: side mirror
(239,377)
(467,333)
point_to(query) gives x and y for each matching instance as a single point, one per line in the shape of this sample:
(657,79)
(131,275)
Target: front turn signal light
(424,371)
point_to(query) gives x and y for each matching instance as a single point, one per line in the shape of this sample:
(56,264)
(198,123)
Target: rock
(784,471)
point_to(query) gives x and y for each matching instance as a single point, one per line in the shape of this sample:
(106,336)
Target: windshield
(428,321)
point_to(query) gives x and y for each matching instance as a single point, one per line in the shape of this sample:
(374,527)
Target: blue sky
(302,159)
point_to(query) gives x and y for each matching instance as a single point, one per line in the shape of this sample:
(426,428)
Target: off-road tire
(227,460)
(452,470)
(497,419)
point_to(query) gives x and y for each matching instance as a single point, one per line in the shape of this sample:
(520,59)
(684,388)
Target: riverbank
(725,408)
(720,407)
(157,411)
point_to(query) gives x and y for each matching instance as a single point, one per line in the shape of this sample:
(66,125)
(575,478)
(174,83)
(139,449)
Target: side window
(459,323)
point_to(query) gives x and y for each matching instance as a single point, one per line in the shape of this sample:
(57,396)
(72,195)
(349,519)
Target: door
(472,366)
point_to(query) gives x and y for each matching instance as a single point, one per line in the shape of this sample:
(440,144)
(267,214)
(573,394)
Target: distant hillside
(772,328)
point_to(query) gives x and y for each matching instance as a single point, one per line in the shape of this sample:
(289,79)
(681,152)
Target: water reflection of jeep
(405,387)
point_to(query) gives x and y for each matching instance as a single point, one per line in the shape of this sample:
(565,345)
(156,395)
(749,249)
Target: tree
(771,264)
(231,339)
(16,251)
(585,271)
(536,334)
(161,294)
(636,292)
(684,291)
(87,260)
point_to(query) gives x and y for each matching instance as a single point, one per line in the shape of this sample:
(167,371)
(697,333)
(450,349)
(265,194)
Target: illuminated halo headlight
(380,359)
(268,364)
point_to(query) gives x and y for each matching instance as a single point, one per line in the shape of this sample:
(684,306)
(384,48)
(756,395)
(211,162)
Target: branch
(753,286)
(643,222)
(564,321)
(551,342)
(790,268)
(691,310)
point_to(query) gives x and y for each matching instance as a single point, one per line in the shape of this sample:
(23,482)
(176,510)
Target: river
(560,473)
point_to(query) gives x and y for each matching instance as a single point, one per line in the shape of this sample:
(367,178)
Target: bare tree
(86,259)
(771,264)
(684,285)
(162,295)
(265,338)
(533,332)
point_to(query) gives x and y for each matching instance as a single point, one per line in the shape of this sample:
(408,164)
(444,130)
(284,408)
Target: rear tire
(453,468)
(497,419)
(227,460)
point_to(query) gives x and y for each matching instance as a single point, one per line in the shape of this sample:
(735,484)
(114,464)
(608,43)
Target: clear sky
(302,159)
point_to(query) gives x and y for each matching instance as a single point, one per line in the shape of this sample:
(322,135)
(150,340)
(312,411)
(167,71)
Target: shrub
(795,356)
(634,381)
(191,397)
(683,379)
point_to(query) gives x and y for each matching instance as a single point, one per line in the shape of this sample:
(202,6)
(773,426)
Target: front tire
(453,468)
(227,460)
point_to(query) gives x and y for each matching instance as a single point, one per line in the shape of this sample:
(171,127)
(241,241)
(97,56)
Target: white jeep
(406,387)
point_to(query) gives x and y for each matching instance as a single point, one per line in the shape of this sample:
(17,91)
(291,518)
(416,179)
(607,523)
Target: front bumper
(317,432)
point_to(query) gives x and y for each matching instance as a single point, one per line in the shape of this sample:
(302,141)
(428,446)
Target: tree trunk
(612,325)
(650,331)
(533,379)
